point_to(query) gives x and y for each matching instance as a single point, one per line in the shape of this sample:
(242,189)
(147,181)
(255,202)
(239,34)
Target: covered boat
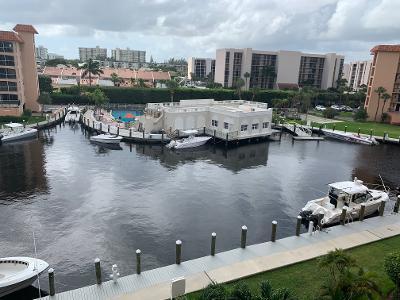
(189,142)
(350,137)
(350,194)
(73,114)
(106,138)
(17,131)
(17,273)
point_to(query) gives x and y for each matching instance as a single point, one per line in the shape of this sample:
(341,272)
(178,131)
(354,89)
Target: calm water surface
(85,201)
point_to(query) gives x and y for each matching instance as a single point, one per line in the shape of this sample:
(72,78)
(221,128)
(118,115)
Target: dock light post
(345,129)
(343,215)
(334,127)
(243,237)
(384,136)
(397,205)
(382,208)
(52,289)
(370,133)
(273,231)
(108,128)
(359,130)
(298,225)
(178,250)
(130,132)
(98,270)
(138,263)
(362,212)
(213,241)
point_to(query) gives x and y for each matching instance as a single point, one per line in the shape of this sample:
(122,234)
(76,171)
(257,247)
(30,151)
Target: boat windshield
(361,197)
(337,194)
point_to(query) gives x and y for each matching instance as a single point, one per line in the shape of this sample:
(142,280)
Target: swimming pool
(126,115)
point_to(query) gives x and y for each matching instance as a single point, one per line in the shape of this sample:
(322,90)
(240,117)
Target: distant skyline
(183,28)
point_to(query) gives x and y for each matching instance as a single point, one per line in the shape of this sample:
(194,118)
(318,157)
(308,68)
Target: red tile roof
(10,36)
(386,48)
(24,28)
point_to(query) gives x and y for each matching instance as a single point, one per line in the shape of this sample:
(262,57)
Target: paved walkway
(238,263)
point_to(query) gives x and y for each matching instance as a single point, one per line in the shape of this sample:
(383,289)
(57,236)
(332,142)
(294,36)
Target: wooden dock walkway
(238,263)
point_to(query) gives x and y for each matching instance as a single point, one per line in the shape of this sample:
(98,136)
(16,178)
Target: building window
(263,71)
(7,60)
(226,73)
(8,97)
(6,46)
(265,124)
(243,128)
(7,73)
(214,123)
(237,66)
(226,125)
(8,86)
(254,126)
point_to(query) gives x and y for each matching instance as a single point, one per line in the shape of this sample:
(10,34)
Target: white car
(320,107)
(336,107)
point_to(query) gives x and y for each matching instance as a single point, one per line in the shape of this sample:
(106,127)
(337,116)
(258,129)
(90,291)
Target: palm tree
(115,79)
(132,81)
(172,86)
(238,84)
(246,78)
(380,91)
(141,83)
(254,92)
(385,97)
(90,68)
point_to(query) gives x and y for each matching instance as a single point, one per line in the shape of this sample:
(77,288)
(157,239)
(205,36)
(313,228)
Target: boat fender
(115,274)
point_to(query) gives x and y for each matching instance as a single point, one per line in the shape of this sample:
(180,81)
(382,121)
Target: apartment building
(93,53)
(201,67)
(277,69)
(385,72)
(19,87)
(128,55)
(357,73)
(41,53)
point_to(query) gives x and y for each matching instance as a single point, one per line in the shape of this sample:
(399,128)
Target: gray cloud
(192,27)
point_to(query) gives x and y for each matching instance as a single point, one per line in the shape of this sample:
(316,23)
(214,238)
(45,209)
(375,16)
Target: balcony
(10,103)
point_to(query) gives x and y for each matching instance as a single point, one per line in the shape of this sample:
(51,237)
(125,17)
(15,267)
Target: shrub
(27,113)
(385,117)
(241,291)
(214,292)
(360,115)
(330,113)
(392,268)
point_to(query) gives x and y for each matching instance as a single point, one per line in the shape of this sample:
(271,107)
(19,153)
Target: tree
(385,97)
(132,81)
(97,97)
(254,92)
(172,86)
(360,115)
(238,85)
(55,62)
(44,98)
(141,83)
(246,77)
(90,68)
(380,91)
(45,84)
(392,268)
(115,79)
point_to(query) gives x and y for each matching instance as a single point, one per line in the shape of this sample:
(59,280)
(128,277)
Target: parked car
(336,107)
(320,107)
(348,108)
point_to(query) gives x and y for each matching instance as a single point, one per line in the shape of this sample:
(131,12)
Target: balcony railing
(10,102)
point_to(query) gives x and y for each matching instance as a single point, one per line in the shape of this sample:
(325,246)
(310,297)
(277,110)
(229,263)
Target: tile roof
(10,36)
(386,48)
(25,28)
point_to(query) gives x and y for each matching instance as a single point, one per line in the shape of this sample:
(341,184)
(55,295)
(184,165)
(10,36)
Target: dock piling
(178,252)
(117,130)
(243,237)
(130,132)
(345,129)
(382,208)
(108,128)
(362,212)
(397,205)
(273,231)
(213,241)
(138,262)
(359,130)
(98,270)
(52,288)
(334,127)
(310,227)
(343,215)
(370,133)
(298,225)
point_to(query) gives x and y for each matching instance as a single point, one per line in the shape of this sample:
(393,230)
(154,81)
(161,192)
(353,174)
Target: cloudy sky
(183,28)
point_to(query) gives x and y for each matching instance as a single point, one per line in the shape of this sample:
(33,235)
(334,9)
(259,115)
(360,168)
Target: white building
(228,120)
(93,53)
(41,53)
(274,69)
(54,56)
(357,73)
(201,67)
(128,55)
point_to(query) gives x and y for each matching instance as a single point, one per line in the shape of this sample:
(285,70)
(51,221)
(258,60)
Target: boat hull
(106,140)
(199,141)
(348,137)
(19,136)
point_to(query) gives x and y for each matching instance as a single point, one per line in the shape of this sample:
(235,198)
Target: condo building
(385,72)
(277,69)
(19,87)
(201,67)
(357,73)
(92,53)
(128,55)
(41,53)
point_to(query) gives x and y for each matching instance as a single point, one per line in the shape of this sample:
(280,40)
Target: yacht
(349,194)
(350,137)
(106,138)
(16,131)
(17,273)
(73,114)
(189,142)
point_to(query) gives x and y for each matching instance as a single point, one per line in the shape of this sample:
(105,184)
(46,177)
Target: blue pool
(126,115)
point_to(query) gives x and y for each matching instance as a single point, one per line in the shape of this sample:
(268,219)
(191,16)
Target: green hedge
(147,95)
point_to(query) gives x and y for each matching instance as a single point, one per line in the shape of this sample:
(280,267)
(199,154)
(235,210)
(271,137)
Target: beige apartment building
(277,69)
(201,67)
(357,73)
(19,86)
(128,55)
(385,72)
(93,53)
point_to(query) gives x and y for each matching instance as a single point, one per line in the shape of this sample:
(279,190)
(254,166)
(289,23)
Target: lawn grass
(305,278)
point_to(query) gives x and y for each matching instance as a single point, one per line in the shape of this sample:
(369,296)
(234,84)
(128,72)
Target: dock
(300,132)
(238,263)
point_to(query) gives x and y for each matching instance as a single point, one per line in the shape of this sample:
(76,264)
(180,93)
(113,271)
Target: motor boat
(106,138)
(16,131)
(350,194)
(350,137)
(17,273)
(189,142)
(73,114)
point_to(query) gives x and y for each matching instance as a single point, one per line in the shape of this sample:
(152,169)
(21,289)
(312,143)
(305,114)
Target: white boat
(106,138)
(17,273)
(189,142)
(73,114)
(350,137)
(349,194)
(16,131)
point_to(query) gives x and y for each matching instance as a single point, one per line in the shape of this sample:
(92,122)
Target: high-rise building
(41,53)
(54,56)
(201,67)
(19,87)
(277,69)
(356,73)
(128,55)
(93,53)
(385,72)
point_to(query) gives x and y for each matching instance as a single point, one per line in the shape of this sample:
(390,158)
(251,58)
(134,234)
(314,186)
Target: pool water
(126,115)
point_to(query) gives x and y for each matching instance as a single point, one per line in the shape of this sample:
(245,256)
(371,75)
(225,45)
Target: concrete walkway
(239,263)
